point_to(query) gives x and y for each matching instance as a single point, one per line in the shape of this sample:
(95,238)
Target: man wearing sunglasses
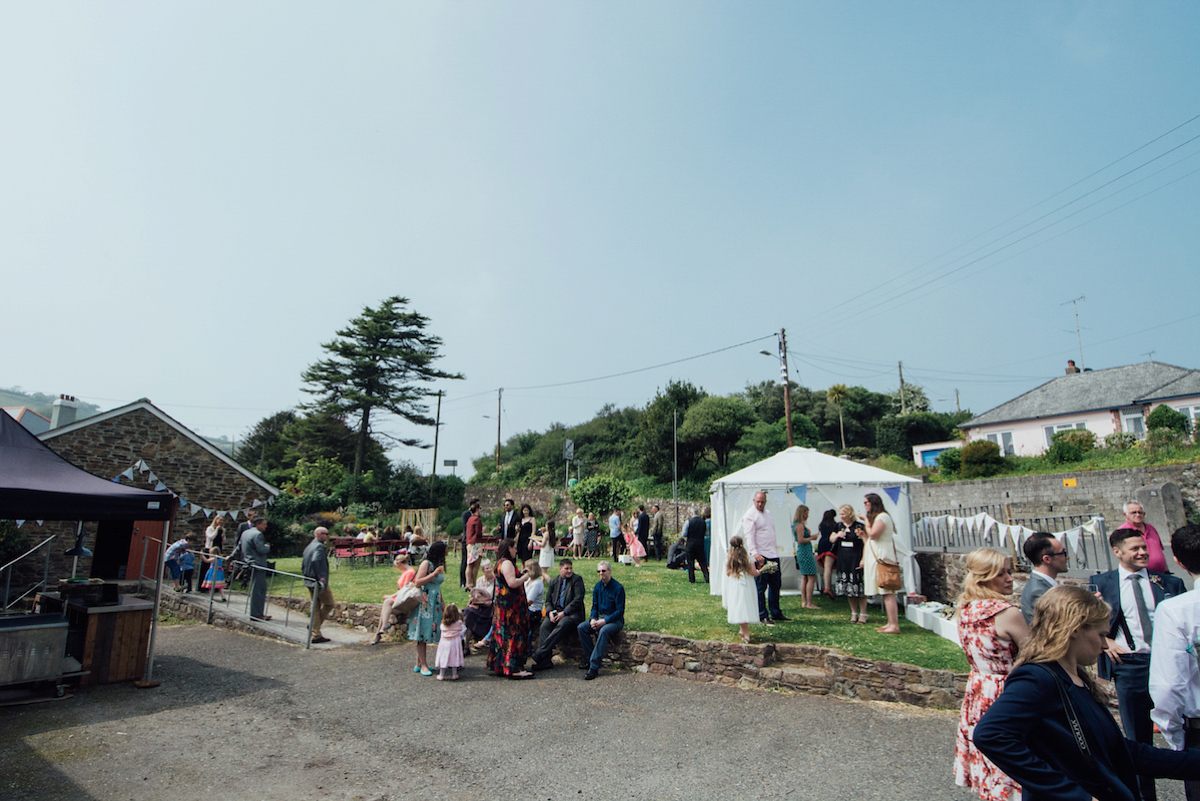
(1049,558)
(608,617)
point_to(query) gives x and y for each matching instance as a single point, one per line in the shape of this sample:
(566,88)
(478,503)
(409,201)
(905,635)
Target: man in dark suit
(1133,592)
(510,521)
(694,532)
(564,612)
(643,527)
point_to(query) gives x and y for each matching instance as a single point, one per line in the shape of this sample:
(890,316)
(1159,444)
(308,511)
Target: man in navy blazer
(1133,592)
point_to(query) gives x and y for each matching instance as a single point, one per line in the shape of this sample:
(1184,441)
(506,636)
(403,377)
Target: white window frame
(1051,430)
(1004,441)
(1128,416)
(1193,413)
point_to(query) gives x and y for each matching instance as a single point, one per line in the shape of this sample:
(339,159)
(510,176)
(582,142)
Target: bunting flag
(127,474)
(893,493)
(152,478)
(142,466)
(19,523)
(256,504)
(1072,538)
(184,503)
(159,487)
(801,492)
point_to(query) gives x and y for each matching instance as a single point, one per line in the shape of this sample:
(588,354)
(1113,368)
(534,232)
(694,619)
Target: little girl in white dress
(740,598)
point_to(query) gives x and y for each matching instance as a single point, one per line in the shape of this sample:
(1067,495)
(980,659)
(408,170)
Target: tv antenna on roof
(1075,305)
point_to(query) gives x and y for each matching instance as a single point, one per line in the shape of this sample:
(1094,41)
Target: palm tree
(837,395)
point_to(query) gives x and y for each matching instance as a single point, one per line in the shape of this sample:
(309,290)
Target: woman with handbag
(1051,729)
(400,597)
(881,568)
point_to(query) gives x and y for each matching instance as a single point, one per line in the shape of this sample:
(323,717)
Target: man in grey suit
(1049,558)
(315,567)
(564,612)
(254,551)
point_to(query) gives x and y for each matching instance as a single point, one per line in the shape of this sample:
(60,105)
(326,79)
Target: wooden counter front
(115,638)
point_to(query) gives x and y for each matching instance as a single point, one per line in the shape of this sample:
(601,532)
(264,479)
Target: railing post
(7,582)
(1102,533)
(142,569)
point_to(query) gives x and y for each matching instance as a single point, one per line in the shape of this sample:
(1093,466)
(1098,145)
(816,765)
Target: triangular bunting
(801,492)
(159,487)
(893,493)
(257,504)
(128,473)
(142,466)
(152,478)
(19,523)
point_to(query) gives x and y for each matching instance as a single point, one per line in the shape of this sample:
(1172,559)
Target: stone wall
(1097,492)
(109,447)
(801,668)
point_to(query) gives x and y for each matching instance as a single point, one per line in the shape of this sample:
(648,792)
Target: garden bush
(950,461)
(981,459)
(1063,451)
(1166,417)
(600,494)
(1086,440)
(1158,439)
(1120,441)
(860,453)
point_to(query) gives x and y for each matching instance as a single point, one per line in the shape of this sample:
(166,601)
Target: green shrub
(1120,441)
(827,446)
(1086,440)
(981,459)
(600,494)
(1166,417)
(1063,451)
(860,453)
(1158,439)
(950,461)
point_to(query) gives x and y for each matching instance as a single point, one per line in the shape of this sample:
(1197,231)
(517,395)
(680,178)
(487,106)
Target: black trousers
(551,633)
(1131,679)
(695,553)
(1191,739)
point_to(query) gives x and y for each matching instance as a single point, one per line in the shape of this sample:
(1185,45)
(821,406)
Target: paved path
(246,718)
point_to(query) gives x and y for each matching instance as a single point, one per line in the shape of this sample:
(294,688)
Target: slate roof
(1095,390)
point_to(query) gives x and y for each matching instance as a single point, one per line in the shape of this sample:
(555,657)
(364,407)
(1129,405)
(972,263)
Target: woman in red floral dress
(991,630)
(510,617)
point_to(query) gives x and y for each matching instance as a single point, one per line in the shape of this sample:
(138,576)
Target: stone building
(140,445)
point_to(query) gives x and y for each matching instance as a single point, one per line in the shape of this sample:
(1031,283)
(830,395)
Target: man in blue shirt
(614,533)
(608,617)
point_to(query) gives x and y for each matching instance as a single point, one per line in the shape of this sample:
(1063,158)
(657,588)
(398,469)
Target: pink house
(1102,401)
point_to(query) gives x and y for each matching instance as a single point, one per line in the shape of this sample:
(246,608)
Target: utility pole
(675,469)
(437,428)
(499,397)
(903,405)
(787,383)
(1078,336)
(957,407)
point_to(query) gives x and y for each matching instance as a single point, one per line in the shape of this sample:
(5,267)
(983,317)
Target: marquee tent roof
(38,484)
(795,466)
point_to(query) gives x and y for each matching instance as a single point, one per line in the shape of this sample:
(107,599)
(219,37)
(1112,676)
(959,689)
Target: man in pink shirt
(1135,518)
(758,529)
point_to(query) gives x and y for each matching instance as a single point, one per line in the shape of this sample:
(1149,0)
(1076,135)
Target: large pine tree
(382,361)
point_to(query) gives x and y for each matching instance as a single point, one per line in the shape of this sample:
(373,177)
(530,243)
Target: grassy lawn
(663,601)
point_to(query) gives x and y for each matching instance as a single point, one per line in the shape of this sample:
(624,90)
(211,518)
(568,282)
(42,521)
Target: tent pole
(148,678)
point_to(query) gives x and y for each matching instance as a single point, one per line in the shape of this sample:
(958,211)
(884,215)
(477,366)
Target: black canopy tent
(38,484)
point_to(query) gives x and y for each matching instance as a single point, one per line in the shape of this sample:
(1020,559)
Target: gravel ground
(242,717)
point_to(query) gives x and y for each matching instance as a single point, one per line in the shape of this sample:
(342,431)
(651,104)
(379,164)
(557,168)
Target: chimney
(64,411)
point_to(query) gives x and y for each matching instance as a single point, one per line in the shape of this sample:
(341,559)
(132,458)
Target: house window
(1052,430)
(1133,422)
(1005,440)
(1193,413)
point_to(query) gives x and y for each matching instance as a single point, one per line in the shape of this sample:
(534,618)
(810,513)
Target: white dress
(740,599)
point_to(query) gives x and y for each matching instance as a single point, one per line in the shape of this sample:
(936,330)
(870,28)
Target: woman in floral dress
(991,630)
(510,617)
(424,626)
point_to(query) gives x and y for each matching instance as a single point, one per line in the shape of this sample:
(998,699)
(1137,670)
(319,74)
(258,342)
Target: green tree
(837,395)
(263,449)
(1165,417)
(322,475)
(909,399)
(716,424)
(600,494)
(656,434)
(326,436)
(382,361)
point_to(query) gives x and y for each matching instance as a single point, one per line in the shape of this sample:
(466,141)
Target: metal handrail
(45,572)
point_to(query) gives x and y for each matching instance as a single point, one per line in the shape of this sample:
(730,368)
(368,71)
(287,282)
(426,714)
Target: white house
(1102,401)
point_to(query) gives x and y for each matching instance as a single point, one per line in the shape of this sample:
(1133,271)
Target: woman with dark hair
(510,617)
(525,533)
(1051,731)
(880,547)
(826,555)
(425,624)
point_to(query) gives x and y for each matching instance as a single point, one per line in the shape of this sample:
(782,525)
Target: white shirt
(758,530)
(1174,672)
(1129,608)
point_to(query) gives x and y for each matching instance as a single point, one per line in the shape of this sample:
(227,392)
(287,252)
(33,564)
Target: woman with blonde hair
(1051,729)
(847,541)
(407,574)
(991,630)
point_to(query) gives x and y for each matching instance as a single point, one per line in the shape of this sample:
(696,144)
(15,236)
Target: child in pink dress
(450,646)
(636,550)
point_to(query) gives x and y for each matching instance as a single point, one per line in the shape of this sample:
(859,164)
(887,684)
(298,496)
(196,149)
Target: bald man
(315,568)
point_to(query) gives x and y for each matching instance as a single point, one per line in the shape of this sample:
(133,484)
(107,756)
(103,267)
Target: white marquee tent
(803,475)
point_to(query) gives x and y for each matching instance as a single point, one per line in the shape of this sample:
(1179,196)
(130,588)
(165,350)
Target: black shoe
(591,674)
(320,639)
(783,619)
(768,621)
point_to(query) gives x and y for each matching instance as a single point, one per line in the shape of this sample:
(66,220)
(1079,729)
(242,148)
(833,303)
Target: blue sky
(196,195)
